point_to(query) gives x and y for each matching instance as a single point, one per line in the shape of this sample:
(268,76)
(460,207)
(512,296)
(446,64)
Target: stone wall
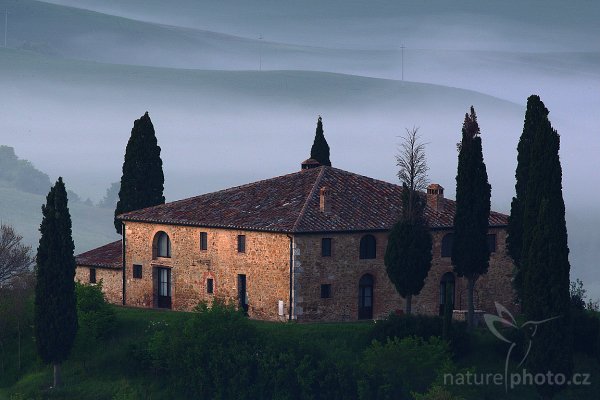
(344,269)
(265,264)
(112,281)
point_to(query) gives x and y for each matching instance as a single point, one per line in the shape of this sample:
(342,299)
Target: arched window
(368,246)
(365,297)
(447,284)
(447,245)
(162,245)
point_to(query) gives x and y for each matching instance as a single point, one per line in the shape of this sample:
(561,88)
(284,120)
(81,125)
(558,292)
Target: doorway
(242,293)
(365,297)
(163,287)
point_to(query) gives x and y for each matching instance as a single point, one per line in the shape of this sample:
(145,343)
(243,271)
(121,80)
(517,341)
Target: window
(241,243)
(203,241)
(162,245)
(447,245)
(491,240)
(326,291)
(137,271)
(92,275)
(326,247)
(368,247)
(210,286)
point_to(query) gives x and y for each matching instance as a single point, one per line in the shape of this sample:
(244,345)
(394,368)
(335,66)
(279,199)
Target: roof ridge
(312,191)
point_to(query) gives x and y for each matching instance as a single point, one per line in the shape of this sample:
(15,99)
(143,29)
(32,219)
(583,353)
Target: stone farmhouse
(307,246)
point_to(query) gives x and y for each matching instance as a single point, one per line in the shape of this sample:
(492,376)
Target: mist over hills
(74,79)
(462,24)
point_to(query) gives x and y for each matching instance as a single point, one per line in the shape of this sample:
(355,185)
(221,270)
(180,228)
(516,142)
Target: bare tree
(15,257)
(408,253)
(412,166)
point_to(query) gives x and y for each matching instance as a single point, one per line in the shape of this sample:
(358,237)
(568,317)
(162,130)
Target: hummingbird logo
(506,318)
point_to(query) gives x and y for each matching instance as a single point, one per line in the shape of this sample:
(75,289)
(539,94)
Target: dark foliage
(142,182)
(397,367)
(470,252)
(320,149)
(535,114)
(408,257)
(219,354)
(16,320)
(422,326)
(545,264)
(55,318)
(586,331)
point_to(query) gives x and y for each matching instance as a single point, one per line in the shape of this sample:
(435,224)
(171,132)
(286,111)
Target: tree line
(536,241)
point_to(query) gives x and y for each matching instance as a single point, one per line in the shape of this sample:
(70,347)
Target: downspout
(291,276)
(123,256)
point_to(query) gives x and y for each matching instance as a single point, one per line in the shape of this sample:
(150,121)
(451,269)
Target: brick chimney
(324,200)
(435,197)
(310,163)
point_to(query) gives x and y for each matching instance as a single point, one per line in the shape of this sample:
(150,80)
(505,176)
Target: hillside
(506,25)
(92,226)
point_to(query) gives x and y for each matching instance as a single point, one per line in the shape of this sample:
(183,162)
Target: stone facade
(111,278)
(265,263)
(344,269)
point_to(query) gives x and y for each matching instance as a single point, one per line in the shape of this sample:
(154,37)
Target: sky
(234,89)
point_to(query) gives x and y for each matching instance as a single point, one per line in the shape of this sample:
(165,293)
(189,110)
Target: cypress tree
(408,254)
(545,257)
(470,252)
(320,149)
(535,114)
(55,315)
(142,182)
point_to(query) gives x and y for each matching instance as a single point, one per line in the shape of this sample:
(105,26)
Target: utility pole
(402,47)
(260,53)
(5,26)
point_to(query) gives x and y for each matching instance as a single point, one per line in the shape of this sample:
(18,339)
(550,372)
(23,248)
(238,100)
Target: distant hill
(23,190)
(92,226)
(21,174)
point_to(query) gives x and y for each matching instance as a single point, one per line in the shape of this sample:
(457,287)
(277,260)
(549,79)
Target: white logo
(505,317)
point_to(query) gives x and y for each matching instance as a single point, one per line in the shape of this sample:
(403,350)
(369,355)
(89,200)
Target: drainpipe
(291,276)
(123,257)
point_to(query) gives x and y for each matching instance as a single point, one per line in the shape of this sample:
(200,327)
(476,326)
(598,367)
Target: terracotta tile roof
(108,256)
(290,204)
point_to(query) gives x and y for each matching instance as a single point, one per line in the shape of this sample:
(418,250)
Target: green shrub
(423,326)
(213,355)
(398,367)
(219,354)
(95,316)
